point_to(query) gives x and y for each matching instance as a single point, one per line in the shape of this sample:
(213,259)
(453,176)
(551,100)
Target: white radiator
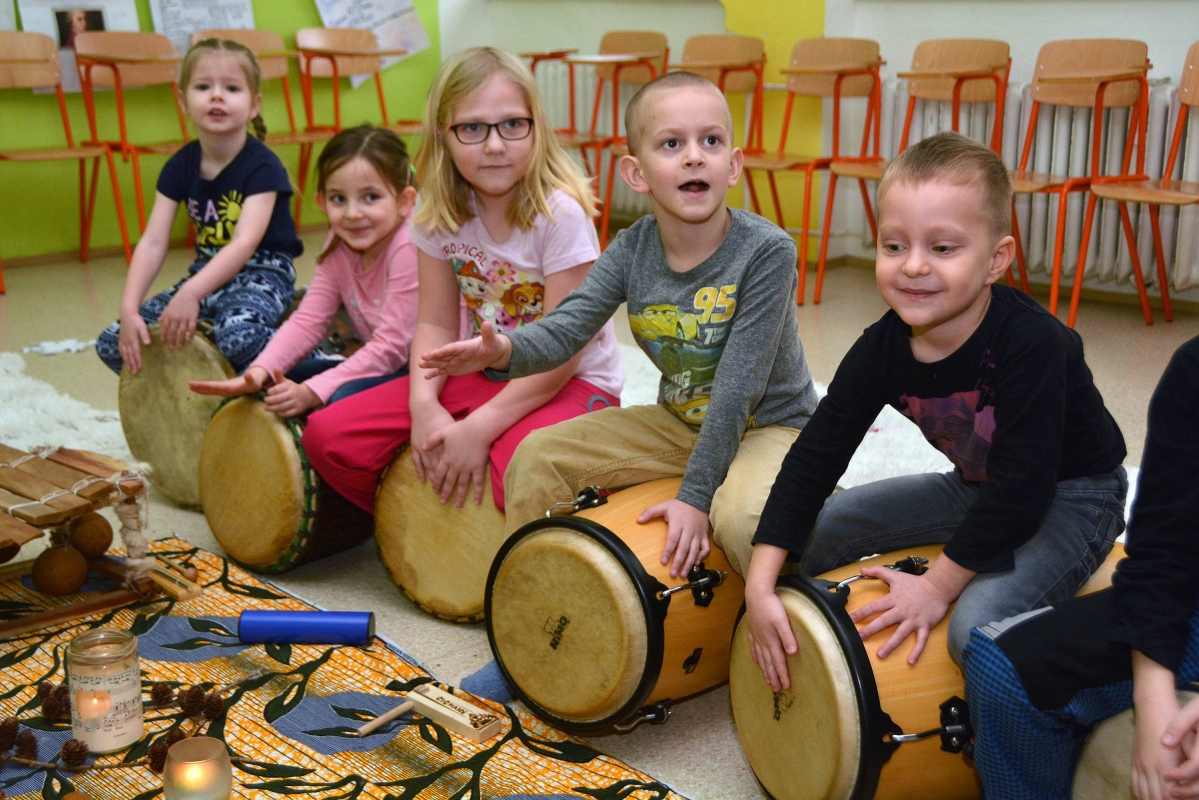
(553,81)
(1062,147)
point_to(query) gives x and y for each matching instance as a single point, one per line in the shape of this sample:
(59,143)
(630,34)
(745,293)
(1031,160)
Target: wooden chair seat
(298,137)
(161,148)
(580,139)
(1024,182)
(54,154)
(1158,192)
(776,162)
(408,127)
(863,170)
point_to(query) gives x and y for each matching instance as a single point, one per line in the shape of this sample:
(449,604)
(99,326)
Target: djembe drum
(589,627)
(163,420)
(437,554)
(853,725)
(266,505)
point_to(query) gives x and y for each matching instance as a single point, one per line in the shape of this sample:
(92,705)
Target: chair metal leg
(2,289)
(753,193)
(869,211)
(1058,245)
(1126,221)
(824,236)
(1158,251)
(1020,262)
(774,195)
(607,212)
(137,189)
(1076,294)
(803,233)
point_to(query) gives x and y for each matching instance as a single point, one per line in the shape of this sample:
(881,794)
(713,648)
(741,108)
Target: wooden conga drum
(831,736)
(438,555)
(164,421)
(265,503)
(589,627)
(1104,771)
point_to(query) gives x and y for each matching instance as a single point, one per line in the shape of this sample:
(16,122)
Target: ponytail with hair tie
(259,126)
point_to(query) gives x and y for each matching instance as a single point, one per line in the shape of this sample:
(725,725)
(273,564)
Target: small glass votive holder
(198,769)
(105,679)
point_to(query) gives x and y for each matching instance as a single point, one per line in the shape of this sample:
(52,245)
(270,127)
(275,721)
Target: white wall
(541,24)
(1169,27)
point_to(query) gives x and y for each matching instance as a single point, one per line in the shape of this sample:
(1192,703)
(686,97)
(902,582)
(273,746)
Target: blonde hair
(445,194)
(249,66)
(953,158)
(671,80)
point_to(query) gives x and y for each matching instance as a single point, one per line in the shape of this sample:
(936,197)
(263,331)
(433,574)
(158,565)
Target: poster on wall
(394,23)
(61,20)
(8,16)
(179,19)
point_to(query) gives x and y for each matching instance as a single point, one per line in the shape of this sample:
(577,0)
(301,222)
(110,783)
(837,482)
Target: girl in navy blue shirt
(236,193)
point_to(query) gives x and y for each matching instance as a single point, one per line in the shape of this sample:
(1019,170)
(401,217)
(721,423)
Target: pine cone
(74,752)
(44,689)
(158,755)
(214,705)
(191,700)
(8,734)
(63,692)
(162,694)
(27,745)
(175,735)
(54,707)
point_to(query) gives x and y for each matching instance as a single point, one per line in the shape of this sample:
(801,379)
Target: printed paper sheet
(179,19)
(62,19)
(394,22)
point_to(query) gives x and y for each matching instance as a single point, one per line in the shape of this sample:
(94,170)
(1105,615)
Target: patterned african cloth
(291,710)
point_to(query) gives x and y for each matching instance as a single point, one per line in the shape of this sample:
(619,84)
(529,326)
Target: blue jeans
(1084,519)
(1028,753)
(316,364)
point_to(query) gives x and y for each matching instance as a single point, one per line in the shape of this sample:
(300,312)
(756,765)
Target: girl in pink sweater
(368,265)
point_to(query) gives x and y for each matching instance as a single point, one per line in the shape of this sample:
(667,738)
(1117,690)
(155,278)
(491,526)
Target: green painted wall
(38,202)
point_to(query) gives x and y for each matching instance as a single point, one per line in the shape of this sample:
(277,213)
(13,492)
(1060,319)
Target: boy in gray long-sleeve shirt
(709,294)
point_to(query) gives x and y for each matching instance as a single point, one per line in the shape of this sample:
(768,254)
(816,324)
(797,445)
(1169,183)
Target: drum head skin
(164,421)
(569,625)
(437,554)
(803,743)
(252,483)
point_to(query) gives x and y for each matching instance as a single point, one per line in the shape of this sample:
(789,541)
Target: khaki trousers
(615,448)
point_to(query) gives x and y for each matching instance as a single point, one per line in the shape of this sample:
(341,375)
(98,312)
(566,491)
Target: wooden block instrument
(454,713)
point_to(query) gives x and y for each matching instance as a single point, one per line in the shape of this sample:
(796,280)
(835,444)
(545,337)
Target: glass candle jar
(104,675)
(198,768)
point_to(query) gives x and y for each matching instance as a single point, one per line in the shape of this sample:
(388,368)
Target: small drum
(437,554)
(164,420)
(590,628)
(266,505)
(1104,771)
(834,735)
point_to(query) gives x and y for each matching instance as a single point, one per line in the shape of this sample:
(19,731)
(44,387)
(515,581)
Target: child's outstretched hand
(914,603)
(771,639)
(179,318)
(471,355)
(288,398)
(250,381)
(134,334)
(686,534)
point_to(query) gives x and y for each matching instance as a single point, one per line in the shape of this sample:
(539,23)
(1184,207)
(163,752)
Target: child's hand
(1183,731)
(914,603)
(1152,759)
(288,398)
(179,318)
(248,382)
(771,639)
(134,334)
(471,355)
(424,424)
(465,457)
(686,534)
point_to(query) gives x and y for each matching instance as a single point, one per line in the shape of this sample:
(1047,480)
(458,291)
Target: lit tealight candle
(198,769)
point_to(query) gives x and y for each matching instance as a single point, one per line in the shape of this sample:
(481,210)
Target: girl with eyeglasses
(504,231)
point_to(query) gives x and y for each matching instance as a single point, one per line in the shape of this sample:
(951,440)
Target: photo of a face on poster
(76,21)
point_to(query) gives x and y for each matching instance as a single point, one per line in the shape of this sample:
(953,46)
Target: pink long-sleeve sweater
(381,302)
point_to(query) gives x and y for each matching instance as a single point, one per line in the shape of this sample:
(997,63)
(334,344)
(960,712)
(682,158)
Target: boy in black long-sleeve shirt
(994,382)
(1035,683)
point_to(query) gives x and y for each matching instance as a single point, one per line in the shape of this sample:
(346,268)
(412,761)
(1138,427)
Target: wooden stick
(29,511)
(191,573)
(101,466)
(114,570)
(33,487)
(63,477)
(18,532)
(176,587)
(70,612)
(383,719)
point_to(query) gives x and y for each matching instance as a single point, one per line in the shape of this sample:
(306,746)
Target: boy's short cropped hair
(671,80)
(955,159)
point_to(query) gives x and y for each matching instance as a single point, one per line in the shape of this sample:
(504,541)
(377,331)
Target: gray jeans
(1086,516)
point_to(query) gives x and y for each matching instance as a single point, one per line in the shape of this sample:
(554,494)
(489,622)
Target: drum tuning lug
(656,714)
(701,582)
(912,565)
(955,731)
(590,497)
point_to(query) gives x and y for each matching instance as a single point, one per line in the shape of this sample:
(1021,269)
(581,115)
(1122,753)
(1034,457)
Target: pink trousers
(351,442)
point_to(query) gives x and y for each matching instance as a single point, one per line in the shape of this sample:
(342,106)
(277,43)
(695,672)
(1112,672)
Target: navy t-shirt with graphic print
(1014,408)
(215,205)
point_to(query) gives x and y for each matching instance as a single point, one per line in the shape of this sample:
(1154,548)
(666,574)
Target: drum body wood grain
(437,554)
(266,505)
(827,737)
(163,420)
(577,623)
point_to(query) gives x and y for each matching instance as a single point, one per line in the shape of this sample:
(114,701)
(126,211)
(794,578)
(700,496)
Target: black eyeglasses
(511,130)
